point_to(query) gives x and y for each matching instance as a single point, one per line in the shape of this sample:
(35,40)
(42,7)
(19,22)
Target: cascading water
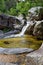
(22,32)
(24,28)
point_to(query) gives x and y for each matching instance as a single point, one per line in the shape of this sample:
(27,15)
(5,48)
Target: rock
(10,24)
(22,18)
(1,34)
(3,63)
(11,32)
(18,27)
(8,21)
(3,21)
(14,50)
(40,14)
(35,58)
(6,42)
(35,13)
(38,30)
(30,28)
(13,59)
(15,22)
(15,56)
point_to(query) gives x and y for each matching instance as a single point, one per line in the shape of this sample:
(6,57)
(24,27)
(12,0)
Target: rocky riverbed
(19,36)
(13,26)
(33,58)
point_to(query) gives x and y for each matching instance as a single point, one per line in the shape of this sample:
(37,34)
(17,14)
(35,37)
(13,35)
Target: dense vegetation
(15,7)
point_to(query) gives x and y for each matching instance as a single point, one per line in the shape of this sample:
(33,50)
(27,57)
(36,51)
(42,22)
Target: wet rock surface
(35,13)
(14,50)
(38,30)
(10,25)
(1,34)
(36,16)
(2,63)
(30,29)
(33,58)
(10,21)
(36,57)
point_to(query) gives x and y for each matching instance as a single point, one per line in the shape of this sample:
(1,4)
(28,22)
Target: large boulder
(35,17)
(35,57)
(9,25)
(8,21)
(30,28)
(12,21)
(36,13)
(38,30)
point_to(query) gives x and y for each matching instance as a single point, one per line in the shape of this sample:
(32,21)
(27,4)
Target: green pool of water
(26,41)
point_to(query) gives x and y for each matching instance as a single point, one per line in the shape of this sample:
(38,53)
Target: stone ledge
(15,50)
(35,58)
(2,63)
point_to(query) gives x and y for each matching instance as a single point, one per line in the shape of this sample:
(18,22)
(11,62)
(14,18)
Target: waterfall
(24,28)
(22,31)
